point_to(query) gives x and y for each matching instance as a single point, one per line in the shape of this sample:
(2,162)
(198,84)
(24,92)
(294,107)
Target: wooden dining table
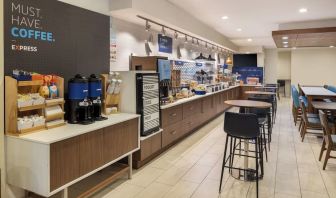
(313,93)
(263,88)
(248,104)
(328,106)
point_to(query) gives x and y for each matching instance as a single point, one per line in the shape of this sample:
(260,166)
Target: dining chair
(329,140)
(330,88)
(308,123)
(276,87)
(296,109)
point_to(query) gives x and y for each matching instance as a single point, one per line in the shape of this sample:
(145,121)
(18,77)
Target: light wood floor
(192,168)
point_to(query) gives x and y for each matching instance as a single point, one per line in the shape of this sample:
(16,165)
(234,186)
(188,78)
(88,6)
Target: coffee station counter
(186,100)
(71,130)
(50,161)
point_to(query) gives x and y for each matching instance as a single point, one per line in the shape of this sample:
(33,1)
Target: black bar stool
(269,114)
(242,126)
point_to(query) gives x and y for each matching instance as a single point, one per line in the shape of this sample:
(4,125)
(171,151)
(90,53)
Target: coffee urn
(95,94)
(78,102)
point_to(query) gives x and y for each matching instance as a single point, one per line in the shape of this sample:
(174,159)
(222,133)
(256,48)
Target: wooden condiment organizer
(12,111)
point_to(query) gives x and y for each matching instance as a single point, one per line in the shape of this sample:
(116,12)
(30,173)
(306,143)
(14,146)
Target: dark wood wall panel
(91,151)
(64,162)
(119,139)
(75,157)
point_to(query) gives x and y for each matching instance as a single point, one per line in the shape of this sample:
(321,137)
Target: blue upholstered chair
(296,110)
(331,88)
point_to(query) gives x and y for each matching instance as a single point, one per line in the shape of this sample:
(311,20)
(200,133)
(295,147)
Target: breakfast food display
(25,100)
(30,122)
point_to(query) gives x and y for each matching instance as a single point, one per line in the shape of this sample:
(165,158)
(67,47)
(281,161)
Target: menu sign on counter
(165,44)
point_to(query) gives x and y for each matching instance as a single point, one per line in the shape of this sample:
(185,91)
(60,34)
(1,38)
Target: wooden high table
(313,93)
(260,93)
(248,104)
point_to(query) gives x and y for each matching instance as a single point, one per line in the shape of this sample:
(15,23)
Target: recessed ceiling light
(239,29)
(285,42)
(331,46)
(294,48)
(225,17)
(248,52)
(284,37)
(303,10)
(249,40)
(285,46)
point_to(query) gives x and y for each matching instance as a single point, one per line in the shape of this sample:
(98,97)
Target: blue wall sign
(165,44)
(245,72)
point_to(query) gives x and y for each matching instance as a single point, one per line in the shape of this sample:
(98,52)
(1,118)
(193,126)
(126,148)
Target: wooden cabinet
(119,139)
(219,102)
(171,133)
(91,151)
(191,108)
(171,115)
(207,108)
(64,162)
(148,147)
(75,157)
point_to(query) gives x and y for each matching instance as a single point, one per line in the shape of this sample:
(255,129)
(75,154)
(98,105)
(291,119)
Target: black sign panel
(51,37)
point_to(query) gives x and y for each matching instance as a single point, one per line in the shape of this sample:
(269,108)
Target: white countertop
(71,130)
(184,100)
(247,85)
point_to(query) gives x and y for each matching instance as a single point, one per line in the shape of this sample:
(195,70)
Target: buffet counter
(185,100)
(181,118)
(49,161)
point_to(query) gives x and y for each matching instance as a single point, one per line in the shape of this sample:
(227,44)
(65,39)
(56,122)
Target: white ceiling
(256,18)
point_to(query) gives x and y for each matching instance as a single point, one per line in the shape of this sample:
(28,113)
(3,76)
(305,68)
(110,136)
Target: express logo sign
(26,21)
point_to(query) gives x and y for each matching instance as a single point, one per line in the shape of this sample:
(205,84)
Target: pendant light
(228,59)
(200,57)
(185,39)
(210,58)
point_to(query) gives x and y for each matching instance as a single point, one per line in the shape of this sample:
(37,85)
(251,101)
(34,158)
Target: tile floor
(192,168)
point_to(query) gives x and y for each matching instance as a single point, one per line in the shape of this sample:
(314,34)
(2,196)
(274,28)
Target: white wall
(316,66)
(271,64)
(101,6)
(284,65)
(130,38)
(167,13)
